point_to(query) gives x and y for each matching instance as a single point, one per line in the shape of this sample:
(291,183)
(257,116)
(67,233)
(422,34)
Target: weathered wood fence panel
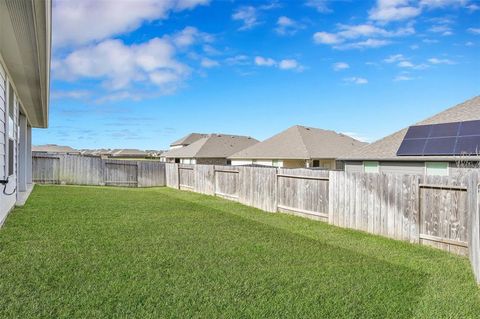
(258,187)
(87,170)
(186,176)
(204,179)
(226,182)
(474,223)
(303,191)
(171,175)
(121,173)
(46,170)
(376,203)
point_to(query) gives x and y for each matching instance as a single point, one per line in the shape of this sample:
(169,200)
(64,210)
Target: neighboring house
(128,153)
(54,149)
(298,146)
(187,140)
(25,42)
(434,146)
(154,154)
(211,149)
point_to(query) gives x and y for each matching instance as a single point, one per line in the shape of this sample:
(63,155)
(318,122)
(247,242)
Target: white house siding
(7,92)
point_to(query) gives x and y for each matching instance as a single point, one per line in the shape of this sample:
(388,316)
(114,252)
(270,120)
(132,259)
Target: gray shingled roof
(387,147)
(189,139)
(54,148)
(212,146)
(128,152)
(300,142)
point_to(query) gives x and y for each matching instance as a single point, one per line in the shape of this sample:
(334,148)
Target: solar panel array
(458,138)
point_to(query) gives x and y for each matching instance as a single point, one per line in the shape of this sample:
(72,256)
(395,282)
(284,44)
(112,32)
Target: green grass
(93,252)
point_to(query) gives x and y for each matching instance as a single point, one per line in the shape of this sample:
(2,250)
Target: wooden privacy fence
(442,212)
(86,170)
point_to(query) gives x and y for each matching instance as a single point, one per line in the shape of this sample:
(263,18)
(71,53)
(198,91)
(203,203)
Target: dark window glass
(316,163)
(177,160)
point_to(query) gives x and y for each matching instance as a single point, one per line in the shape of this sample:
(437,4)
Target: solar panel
(456,138)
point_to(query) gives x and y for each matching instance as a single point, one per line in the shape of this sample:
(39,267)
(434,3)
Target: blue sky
(139,74)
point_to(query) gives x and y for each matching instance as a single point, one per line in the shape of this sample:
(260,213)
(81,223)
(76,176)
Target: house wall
(212,161)
(287,163)
(7,94)
(413,168)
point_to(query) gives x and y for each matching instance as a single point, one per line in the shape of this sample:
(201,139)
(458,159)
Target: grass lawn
(93,252)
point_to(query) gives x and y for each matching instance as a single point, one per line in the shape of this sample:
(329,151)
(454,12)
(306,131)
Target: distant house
(54,149)
(211,149)
(298,146)
(128,153)
(187,140)
(444,144)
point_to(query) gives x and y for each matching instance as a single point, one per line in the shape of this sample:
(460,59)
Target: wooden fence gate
(46,170)
(121,174)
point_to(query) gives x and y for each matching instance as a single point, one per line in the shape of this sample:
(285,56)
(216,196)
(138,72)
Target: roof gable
(300,142)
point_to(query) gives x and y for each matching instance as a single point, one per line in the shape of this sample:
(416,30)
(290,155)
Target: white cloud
(440,61)
(326,38)
(288,64)
(375,36)
(442,29)
(430,41)
(209,63)
(189,36)
(393,10)
(340,66)
(369,43)
(239,59)
(319,5)
(474,30)
(402,77)
(82,22)
(287,26)
(119,65)
(261,61)
(248,16)
(356,80)
(73,94)
(394,58)
(285,64)
(405,64)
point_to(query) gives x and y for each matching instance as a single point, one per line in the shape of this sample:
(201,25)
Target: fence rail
(86,170)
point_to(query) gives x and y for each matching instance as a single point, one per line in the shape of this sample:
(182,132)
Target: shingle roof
(386,148)
(212,146)
(189,139)
(300,142)
(53,148)
(128,152)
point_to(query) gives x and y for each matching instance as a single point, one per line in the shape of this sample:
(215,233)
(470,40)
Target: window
(371,167)
(177,160)
(229,162)
(436,168)
(11,131)
(276,163)
(316,163)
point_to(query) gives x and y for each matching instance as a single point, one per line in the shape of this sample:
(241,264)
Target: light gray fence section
(186,177)
(205,179)
(86,170)
(226,182)
(303,191)
(171,175)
